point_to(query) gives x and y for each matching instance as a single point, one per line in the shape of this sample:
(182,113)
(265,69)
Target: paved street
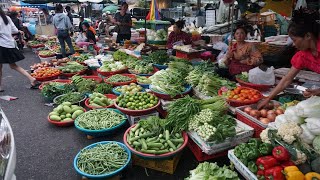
(46,152)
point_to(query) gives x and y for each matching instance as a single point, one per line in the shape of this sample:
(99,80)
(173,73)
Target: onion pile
(266,115)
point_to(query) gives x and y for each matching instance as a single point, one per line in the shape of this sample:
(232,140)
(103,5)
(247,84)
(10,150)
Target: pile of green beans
(102,159)
(118,78)
(99,119)
(72,97)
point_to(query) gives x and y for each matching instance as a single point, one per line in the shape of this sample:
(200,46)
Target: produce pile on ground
(171,81)
(99,119)
(131,88)
(66,112)
(150,136)
(118,78)
(102,159)
(98,100)
(72,97)
(54,89)
(108,66)
(72,67)
(40,65)
(267,114)
(137,101)
(45,72)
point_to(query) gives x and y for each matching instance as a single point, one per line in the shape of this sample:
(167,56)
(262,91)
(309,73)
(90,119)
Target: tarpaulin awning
(40,6)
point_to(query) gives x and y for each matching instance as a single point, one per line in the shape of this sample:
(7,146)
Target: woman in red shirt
(304,31)
(178,35)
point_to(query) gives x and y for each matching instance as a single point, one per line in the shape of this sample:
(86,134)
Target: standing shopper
(124,23)
(9,54)
(68,9)
(63,25)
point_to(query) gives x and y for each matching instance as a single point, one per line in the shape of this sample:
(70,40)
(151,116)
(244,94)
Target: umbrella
(154,12)
(110,8)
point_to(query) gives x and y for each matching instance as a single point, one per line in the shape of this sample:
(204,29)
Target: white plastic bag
(257,76)
(81,38)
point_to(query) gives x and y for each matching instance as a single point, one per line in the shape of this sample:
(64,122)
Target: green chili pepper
(252,167)
(265,149)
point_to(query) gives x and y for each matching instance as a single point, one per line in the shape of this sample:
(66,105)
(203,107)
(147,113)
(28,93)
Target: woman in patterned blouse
(178,35)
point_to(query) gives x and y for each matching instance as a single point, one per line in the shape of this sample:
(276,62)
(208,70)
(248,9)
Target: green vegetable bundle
(100,119)
(159,57)
(211,171)
(118,78)
(120,56)
(83,85)
(103,88)
(150,136)
(72,97)
(142,67)
(210,84)
(195,75)
(71,67)
(102,159)
(54,89)
(181,65)
(80,58)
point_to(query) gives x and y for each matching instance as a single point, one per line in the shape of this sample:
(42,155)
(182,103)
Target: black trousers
(123,37)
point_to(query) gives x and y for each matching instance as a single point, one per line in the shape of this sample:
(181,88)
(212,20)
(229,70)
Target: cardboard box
(135,119)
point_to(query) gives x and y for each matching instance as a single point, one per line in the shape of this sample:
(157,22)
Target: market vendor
(89,33)
(177,35)
(242,56)
(304,31)
(123,23)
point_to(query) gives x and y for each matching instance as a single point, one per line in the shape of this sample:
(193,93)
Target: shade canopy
(110,8)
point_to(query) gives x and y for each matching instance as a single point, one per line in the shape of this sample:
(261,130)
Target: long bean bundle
(102,159)
(99,119)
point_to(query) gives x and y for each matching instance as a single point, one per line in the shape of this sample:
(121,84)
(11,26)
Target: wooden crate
(167,166)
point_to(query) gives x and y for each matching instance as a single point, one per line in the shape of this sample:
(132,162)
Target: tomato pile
(242,94)
(45,72)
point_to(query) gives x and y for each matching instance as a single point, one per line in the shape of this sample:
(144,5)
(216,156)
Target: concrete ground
(46,152)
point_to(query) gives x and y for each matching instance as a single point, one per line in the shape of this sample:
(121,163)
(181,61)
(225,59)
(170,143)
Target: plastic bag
(257,76)
(81,38)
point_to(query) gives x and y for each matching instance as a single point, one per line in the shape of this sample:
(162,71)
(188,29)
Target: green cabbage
(316,144)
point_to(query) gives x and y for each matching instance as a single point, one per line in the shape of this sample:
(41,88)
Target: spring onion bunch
(210,83)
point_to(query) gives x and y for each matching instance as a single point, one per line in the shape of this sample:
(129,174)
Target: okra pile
(149,136)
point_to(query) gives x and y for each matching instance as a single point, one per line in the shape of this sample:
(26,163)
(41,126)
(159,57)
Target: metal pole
(145,21)
(232,22)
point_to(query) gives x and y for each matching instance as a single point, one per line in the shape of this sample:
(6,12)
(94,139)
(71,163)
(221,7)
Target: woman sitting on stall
(242,56)
(90,34)
(304,30)
(177,35)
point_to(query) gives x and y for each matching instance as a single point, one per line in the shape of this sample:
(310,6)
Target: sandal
(35,86)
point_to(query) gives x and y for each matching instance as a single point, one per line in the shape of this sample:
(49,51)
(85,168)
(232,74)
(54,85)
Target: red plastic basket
(137,112)
(257,128)
(110,96)
(62,124)
(95,78)
(48,78)
(132,76)
(189,56)
(47,56)
(200,156)
(153,156)
(112,72)
(38,46)
(76,73)
(66,81)
(235,103)
(259,87)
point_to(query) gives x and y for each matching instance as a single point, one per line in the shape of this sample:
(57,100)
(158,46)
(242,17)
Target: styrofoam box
(244,133)
(136,119)
(242,169)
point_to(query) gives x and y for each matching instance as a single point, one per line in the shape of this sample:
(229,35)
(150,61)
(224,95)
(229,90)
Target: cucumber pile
(66,112)
(99,100)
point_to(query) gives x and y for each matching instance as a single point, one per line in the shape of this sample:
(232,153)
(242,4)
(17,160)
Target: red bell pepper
(260,175)
(266,162)
(274,173)
(286,164)
(281,153)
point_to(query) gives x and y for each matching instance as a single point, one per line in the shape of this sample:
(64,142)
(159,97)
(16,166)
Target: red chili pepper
(274,173)
(281,153)
(287,163)
(260,174)
(266,162)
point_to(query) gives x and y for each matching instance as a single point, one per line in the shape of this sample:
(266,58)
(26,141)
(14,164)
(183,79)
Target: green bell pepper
(244,161)
(254,142)
(252,167)
(253,154)
(265,149)
(237,151)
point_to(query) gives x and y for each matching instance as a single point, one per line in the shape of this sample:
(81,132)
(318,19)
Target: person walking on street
(63,25)
(123,21)
(8,52)
(68,9)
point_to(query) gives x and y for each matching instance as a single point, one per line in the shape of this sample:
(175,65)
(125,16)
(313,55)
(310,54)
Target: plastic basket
(112,72)
(109,96)
(235,103)
(132,76)
(76,73)
(161,95)
(137,112)
(62,124)
(95,78)
(259,87)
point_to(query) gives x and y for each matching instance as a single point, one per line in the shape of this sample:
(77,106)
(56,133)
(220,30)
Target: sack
(257,76)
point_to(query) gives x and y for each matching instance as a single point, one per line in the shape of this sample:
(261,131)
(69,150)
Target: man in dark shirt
(68,9)
(124,23)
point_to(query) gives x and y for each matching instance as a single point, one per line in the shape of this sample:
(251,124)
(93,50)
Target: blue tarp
(40,6)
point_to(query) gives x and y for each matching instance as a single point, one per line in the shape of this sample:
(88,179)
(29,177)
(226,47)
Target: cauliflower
(264,136)
(301,158)
(289,131)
